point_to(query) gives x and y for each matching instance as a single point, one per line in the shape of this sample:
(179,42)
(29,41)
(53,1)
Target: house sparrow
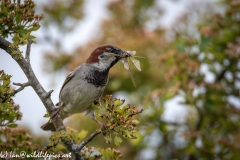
(86,83)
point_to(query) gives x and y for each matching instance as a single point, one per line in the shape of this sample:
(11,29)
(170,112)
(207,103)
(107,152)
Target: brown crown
(93,58)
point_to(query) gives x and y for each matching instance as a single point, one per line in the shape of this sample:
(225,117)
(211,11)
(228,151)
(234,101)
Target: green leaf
(46,115)
(205,40)
(108,138)
(17,18)
(34,28)
(117,140)
(32,37)
(79,136)
(135,122)
(118,102)
(13,125)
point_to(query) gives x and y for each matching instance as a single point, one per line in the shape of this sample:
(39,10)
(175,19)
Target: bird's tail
(48,126)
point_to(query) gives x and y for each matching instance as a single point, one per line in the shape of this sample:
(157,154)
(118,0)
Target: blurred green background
(192,64)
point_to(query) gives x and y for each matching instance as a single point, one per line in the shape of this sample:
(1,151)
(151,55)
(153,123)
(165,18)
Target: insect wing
(125,64)
(136,63)
(131,74)
(132,78)
(132,53)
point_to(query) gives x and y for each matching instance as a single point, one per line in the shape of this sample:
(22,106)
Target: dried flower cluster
(90,153)
(16,140)
(18,20)
(9,111)
(118,119)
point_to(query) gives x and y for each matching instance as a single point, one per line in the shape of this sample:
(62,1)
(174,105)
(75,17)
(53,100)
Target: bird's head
(104,57)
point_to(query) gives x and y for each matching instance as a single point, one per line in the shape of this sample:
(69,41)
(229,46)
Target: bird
(86,83)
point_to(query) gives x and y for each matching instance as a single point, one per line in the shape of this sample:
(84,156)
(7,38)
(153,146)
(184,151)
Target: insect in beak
(130,54)
(126,64)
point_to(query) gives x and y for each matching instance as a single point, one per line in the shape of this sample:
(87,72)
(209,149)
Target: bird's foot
(55,112)
(102,125)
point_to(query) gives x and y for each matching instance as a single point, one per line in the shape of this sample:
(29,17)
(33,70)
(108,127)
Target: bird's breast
(78,98)
(97,78)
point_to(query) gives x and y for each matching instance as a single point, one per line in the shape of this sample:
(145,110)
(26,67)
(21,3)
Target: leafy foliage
(109,153)
(18,20)
(59,10)
(202,43)
(118,119)
(59,61)
(104,154)
(16,140)
(9,111)
(12,139)
(59,136)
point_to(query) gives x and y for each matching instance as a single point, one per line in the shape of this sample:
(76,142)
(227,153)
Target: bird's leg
(102,125)
(56,111)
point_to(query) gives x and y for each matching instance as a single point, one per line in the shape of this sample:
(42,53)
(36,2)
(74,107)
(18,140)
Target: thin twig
(87,140)
(49,93)
(221,75)
(28,50)
(22,86)
(136,113)
(172,123)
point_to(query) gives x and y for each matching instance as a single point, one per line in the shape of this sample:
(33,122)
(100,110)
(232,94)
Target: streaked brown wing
(69,77)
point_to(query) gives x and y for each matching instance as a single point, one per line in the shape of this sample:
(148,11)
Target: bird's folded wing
(69,77)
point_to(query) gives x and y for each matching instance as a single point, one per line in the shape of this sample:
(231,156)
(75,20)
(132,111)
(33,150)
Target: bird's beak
(124,54)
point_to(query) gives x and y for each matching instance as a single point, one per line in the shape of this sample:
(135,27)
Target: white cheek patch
(105,60)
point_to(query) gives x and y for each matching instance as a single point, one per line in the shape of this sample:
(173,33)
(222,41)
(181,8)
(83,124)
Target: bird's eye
(101,56)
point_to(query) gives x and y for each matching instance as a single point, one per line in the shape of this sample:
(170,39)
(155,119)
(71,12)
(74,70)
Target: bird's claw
(55,112)
(102,125)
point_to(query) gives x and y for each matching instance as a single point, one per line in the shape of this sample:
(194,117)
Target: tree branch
(27,55)
(172,123)
(22,86)
(136,113)
(87,140)
(49,94)
(24,64)
(197,127)
(199,121)
(7,96)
